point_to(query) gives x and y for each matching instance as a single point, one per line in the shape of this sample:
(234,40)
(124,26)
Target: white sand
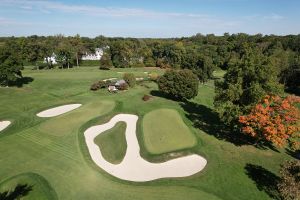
(134,167)
(58,110)
(4,125)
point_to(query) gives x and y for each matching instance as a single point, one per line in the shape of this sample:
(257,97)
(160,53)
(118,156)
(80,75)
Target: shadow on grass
(208,121)
(158,93)
(21,190)
(265,180)
(294,154)
(21,81)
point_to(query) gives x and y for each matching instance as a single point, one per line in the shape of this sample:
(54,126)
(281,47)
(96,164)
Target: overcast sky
(151,18)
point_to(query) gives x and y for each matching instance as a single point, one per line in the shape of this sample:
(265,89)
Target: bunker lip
(4,125)
(52,112)
(134,167)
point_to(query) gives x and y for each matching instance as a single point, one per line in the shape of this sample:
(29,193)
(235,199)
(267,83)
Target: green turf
(164,131)
(112,143)
(71,121)
(39,187)
(62,157)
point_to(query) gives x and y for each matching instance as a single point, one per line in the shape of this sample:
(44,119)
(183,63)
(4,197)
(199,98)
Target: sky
(151,18)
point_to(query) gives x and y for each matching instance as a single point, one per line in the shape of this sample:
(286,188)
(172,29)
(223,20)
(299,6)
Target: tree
(10,64)
(201,64)
(247,80)
(105,61)
(64,55)
(130,79)
(274,119)
(182,84)
(289,185)
(77,47)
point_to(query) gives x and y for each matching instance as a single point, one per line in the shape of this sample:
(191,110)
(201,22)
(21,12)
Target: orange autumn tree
(274,119)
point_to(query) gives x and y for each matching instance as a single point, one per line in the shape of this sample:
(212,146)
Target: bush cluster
(146,97)
(153,76)
(123,86)
(130,79)
(99,84)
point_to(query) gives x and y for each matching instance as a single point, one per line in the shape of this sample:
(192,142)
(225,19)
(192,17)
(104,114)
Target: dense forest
(278,55)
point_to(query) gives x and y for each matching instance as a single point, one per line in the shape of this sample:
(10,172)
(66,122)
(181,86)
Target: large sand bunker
(134,167)
(58,110)
(4,125)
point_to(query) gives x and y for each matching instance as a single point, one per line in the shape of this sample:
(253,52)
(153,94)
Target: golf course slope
(58,110)
(134,167)
(4,125)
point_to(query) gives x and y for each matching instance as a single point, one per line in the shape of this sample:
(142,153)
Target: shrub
(103,84)
(146,97)
(100,84)
(153,76)
(94,86)
(130,79)
(181,84)
(123,86)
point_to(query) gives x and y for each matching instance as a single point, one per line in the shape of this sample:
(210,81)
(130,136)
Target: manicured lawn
(164,131)
(55,149)
(36,186)
(112,143)
(72,121)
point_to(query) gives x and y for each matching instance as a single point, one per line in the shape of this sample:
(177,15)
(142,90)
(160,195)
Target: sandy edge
(134,167)
(4,125)
(58,110)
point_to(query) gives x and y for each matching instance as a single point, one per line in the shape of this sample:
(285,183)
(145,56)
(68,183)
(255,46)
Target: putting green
(164,131)
(71,121)
(112,143)
(41,189)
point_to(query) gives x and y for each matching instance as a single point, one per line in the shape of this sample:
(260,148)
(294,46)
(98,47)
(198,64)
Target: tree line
(200,53)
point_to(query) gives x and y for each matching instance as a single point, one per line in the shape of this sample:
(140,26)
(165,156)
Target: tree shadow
(21,190)
(293,90)
(207,120)
(158,93)
(264,179)
(21,81)
(294,154)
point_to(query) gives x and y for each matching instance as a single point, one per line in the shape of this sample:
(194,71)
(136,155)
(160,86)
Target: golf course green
(164,131)
(51,154)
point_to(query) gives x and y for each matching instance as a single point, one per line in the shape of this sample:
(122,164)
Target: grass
(112,143)
(71,121)
(164,131)
(61,157)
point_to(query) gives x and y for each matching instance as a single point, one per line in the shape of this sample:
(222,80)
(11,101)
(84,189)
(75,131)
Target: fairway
(112,143)
(70,122)
(164,131)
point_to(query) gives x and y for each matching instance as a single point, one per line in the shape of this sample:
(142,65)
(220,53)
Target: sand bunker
(58,110)
(4,125)
(134,167)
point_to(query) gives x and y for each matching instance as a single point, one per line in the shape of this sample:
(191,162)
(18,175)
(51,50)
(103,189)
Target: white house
(97,56)
(51,59)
